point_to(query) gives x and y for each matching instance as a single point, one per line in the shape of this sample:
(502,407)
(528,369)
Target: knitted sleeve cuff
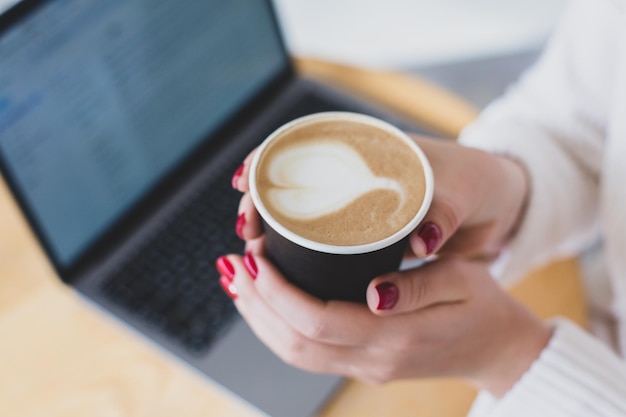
(575,375)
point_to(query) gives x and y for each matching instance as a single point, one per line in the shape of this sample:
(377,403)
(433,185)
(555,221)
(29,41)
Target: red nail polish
(250,264)
(236,176)
(225,268)
(387,295)
(241,221)
(228,287)
(430,235)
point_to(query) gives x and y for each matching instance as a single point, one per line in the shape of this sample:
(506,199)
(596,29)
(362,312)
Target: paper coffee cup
(338,194)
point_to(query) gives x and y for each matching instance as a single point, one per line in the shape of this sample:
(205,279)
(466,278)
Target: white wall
(410,33)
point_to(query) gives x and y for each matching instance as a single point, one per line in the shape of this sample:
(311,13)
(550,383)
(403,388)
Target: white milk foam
(314,179)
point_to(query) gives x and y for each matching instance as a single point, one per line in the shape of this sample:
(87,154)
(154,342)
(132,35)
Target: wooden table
(60,357)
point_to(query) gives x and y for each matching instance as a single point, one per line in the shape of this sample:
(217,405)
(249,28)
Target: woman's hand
(448,318)
(478,200)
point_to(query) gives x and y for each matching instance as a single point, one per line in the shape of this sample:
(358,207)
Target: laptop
(121,125)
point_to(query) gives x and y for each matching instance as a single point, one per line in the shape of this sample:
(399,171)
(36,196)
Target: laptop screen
(100,99)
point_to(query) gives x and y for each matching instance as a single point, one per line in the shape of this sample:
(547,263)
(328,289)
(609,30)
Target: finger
(437,227)
(446,213)
(479,242)
(278,336)
(432,284)
(333,322)
(248,220)
(256,246)
(240,177)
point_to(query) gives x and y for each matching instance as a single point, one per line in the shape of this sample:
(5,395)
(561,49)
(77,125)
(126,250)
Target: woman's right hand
(405,329)
(479,199)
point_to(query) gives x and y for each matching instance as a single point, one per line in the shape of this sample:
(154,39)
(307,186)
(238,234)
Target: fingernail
(228,287)
(225,268)
(387,295)
(430,235)
(241,222)
(250,264)
(236,176)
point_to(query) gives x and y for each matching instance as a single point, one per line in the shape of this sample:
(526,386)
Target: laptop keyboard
(171,283)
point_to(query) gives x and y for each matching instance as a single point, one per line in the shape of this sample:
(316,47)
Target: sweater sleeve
(576,375)
(553,121)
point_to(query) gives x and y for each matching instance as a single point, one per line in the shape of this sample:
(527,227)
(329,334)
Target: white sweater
(566,121)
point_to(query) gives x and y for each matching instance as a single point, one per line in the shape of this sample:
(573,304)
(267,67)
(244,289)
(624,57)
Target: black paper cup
(332,272)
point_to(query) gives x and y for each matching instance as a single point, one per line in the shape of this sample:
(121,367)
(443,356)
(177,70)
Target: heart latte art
(319,178)
(340,182)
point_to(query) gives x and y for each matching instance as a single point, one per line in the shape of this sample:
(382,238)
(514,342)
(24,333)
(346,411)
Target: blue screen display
(99,99)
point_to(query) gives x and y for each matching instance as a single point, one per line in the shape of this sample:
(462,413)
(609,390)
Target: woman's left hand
(447,318)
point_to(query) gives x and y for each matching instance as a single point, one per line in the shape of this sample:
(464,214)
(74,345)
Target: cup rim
(340,249)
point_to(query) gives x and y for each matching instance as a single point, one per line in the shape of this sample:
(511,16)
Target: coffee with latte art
(340,182)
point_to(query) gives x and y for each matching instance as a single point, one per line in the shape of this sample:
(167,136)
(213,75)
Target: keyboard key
(171,282)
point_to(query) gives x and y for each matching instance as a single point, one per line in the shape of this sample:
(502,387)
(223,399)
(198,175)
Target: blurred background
(473,47)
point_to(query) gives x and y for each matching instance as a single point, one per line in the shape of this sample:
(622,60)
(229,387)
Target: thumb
(435,283)
(440,223)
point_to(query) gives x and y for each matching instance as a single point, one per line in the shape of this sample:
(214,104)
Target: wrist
(523,346)
(500,203)
(513,186)
(506,199)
